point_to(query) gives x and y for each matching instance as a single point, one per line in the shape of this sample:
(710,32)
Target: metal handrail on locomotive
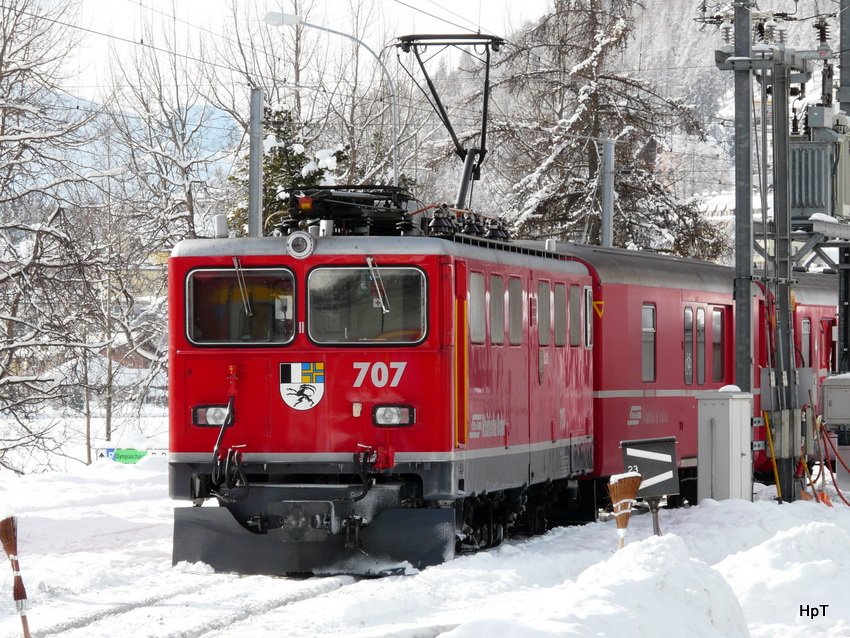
(381,384)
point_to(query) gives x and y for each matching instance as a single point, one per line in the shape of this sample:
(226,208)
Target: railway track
(207,607)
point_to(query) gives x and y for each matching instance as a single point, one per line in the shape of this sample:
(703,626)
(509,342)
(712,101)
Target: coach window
(689,345)
(497,309)
(648,328)
(575,316)
(544,313)
(515,306)
(560,314)
(248,306)
(718,365)
(358,305)
(588,317)
(701,346)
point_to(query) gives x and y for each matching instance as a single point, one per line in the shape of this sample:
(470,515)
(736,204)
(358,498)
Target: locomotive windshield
(243,306)
(384,305)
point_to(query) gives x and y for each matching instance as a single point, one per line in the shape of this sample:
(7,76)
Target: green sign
(128,455)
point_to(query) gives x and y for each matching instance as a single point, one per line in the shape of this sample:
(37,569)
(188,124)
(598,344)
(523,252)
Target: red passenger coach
(354,402)
(664,330)
(664,333)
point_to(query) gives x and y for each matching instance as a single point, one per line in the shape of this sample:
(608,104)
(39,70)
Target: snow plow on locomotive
(376,388)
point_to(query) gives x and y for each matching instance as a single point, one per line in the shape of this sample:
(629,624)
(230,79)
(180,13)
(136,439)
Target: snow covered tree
(42,162)
(162,153)
(333,90)
(558,97)
(167,137)
(286,164)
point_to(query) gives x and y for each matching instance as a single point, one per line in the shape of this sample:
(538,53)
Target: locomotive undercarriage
(273,522)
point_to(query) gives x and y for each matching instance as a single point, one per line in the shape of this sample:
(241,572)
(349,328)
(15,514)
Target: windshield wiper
(383,299)
(243,287)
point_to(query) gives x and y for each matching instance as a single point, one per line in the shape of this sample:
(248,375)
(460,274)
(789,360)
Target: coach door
(828,349)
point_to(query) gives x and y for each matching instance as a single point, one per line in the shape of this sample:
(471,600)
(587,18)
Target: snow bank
(95,548)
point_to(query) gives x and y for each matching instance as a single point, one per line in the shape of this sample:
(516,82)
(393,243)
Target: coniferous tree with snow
(286,164)
(561,93)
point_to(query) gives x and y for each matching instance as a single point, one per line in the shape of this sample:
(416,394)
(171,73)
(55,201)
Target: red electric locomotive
(354,402)
(381,387)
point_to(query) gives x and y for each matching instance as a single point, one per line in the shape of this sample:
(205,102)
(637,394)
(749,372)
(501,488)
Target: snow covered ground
(95,542)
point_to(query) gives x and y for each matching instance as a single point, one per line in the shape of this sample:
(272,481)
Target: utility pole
(784,418)
(743,201)
(607,193)
(255,165)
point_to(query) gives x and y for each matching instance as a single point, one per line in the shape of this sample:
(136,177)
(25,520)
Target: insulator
(479,225)
(503,229)
(758,31)
(443,224)
(822,28)
(469,226)
(727,32)
(492,231)
(404,225)
(770,31)
(780,35)
(496,230)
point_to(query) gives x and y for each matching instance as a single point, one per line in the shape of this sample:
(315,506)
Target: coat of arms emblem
(302,385)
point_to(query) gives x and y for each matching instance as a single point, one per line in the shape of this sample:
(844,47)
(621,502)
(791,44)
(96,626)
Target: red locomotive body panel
(354,380)
(504,407)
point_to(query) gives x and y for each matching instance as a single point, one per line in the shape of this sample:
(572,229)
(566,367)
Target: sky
(119,22)
(94,545)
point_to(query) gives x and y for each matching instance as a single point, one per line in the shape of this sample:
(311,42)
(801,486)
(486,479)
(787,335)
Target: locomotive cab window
(376,303)
(575,316)
(588,317)
(689,345)
(700,364)
(244,306)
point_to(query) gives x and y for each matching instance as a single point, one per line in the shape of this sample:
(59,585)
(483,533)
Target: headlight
(211,415)
(393,415)
(300,244)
